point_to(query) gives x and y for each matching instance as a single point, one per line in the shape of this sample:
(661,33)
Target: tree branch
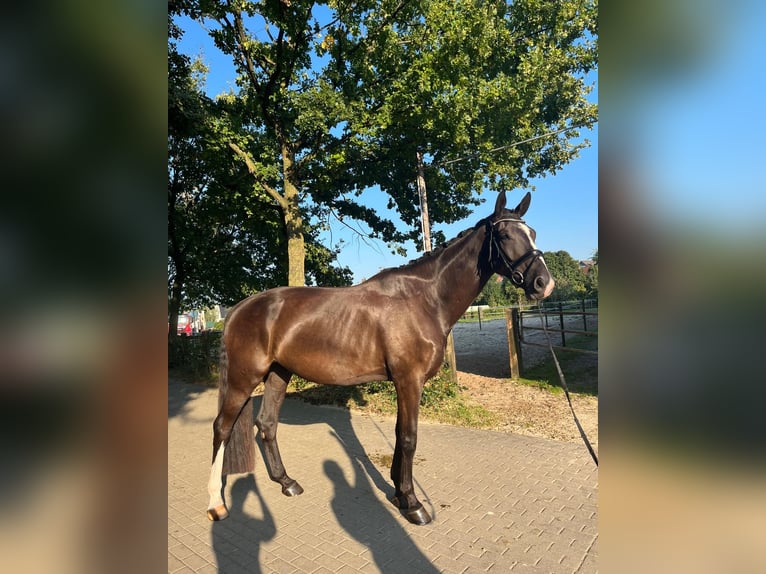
(254,172)
(237,29)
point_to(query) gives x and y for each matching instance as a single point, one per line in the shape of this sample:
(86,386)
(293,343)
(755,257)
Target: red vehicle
(184,325)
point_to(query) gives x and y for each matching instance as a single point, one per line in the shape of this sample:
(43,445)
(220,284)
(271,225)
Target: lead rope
(566,390)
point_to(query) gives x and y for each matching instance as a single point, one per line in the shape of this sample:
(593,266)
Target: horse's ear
(500,203)
(523,205)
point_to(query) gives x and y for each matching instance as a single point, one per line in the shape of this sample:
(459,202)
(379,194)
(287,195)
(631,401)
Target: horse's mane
(436,250)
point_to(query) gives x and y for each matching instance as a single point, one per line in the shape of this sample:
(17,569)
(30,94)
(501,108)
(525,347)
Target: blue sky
(564,209)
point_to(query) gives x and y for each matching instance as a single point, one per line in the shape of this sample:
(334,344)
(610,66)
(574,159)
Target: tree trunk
(174,303)
(296,249)
(177,255)
(449,351)
(289,203)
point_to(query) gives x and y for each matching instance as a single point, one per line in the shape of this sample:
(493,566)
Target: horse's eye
(504,236)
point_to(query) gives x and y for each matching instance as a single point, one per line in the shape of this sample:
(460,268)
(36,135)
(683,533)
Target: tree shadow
(489,363)
(181,393)
(482,351)
(237,540)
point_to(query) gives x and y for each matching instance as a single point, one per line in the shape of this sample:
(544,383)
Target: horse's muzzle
(540,288)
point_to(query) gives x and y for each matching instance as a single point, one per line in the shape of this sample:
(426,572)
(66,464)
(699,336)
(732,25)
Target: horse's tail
(239,454)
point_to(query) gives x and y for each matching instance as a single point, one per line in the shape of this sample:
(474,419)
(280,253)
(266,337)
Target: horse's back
(343,335)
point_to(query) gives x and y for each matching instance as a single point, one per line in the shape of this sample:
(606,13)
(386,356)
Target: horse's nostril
(539,283)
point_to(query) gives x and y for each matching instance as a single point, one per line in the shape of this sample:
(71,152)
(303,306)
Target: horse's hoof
(218,513)
(292,489)
(418,516)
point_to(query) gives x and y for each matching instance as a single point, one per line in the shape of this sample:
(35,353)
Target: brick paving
(500,502)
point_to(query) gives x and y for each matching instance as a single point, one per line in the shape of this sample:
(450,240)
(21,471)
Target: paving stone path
(500,502)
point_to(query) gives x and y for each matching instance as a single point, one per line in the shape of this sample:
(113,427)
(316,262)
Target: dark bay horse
(393,326)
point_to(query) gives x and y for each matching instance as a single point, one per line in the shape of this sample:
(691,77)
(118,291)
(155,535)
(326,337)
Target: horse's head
(512,250)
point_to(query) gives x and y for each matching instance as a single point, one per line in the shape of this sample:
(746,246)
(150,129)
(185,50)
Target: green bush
(436,391)
(196,356)
(439,389)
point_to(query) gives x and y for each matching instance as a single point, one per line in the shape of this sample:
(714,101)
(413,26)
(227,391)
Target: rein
(517,277)
(566,390)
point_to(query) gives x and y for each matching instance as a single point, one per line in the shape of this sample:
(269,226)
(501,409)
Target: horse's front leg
(266,421)
(408,402)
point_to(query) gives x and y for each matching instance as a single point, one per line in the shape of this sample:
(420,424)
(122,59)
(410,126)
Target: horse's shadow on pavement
(391,547)
(237,540)
(357,510)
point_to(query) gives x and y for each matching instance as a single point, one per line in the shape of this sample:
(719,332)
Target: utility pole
(425,224)
(426,228)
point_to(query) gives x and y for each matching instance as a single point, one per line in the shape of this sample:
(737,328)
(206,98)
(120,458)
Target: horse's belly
(321,361)
(349,379)
(332,374)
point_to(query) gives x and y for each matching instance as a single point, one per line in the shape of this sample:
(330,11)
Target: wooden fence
(558,311)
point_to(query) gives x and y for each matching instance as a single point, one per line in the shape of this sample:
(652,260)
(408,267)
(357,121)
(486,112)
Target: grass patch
(475,319)
(377,397)
(541,382)
(442,401)
(381,460)
(580,369)
(459,412)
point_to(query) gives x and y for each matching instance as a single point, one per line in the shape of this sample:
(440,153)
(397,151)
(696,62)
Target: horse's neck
(459,276)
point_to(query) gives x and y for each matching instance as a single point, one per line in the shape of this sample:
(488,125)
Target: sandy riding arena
(483,370)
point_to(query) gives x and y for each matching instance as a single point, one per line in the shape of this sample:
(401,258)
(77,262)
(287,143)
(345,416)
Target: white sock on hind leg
(215,484)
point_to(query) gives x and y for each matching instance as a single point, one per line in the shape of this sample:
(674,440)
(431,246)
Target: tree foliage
(591,277)
(499,292)
(571,282)
(225,239)
(466,80)
(566,272)
(336,98)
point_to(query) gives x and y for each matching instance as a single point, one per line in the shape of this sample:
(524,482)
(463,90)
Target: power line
(514,144)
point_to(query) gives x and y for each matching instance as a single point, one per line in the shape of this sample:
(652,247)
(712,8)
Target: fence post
(479,310)
(584,319)
(451,359)
(561,322)
(514,346)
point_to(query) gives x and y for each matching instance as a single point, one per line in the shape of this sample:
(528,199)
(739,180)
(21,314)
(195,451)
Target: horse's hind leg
(267,420)
(232,402)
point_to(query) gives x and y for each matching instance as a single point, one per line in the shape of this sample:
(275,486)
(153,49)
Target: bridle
(517,276)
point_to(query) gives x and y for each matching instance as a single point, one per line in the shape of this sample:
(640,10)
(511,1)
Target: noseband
(517,277)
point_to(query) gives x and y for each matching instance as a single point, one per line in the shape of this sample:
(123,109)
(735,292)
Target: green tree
(333,99)
(513,295)
(570,280)
(498,293)
(225,240)
(491,294)
(219,246)
(591,277)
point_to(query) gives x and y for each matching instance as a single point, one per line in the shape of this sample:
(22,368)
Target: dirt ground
(484,371)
